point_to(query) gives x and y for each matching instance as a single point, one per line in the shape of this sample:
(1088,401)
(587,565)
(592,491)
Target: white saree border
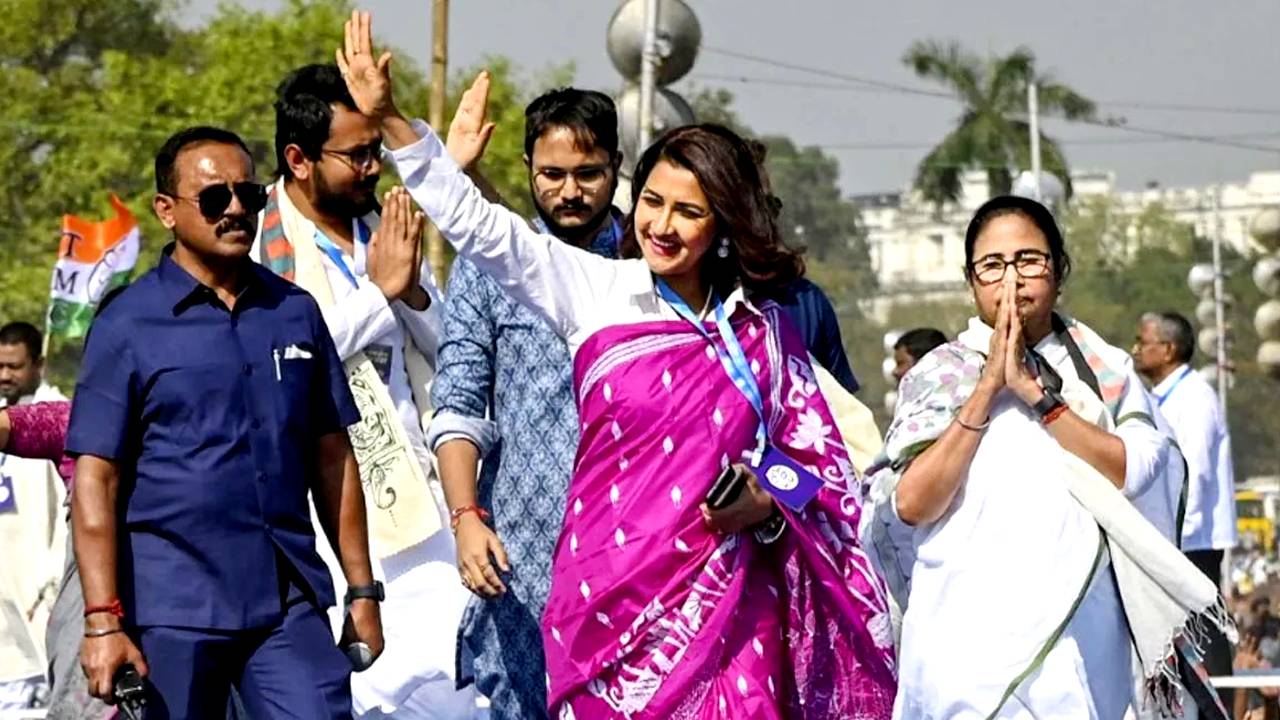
(402,511)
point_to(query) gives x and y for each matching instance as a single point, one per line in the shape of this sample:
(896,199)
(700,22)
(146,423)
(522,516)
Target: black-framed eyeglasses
(587,177)
(214,200)
(361,159)
(1029,264)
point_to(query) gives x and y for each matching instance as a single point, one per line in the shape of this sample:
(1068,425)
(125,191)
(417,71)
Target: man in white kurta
(1162,354)
(32,530)
(326,200)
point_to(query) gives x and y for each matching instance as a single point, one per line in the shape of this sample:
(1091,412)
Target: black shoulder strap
(1077,358)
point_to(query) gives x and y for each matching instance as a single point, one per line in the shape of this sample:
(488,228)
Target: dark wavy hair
(726,169)
(1032,210)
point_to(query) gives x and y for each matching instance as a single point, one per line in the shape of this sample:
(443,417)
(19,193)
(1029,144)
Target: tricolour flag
(93,258)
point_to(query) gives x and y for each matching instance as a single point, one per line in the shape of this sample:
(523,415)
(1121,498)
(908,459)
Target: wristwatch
(373,592)
(770,530)
(1050,401)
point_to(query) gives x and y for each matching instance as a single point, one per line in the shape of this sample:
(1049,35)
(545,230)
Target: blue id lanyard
(1161,398)
(732,357)
(326,245)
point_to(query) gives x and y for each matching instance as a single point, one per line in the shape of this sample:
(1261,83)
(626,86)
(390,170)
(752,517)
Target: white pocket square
(293,352)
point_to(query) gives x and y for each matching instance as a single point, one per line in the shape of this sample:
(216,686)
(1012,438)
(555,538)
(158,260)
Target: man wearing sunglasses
(322,228)
(210,404)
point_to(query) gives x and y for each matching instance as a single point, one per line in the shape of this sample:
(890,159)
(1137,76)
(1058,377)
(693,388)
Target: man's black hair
(167,157)
(588,114)
(304,110)
(920,341)
(23,333)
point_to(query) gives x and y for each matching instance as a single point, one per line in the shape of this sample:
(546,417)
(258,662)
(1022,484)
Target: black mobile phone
(727,487)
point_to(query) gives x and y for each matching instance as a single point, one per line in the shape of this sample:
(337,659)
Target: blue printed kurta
(499,356)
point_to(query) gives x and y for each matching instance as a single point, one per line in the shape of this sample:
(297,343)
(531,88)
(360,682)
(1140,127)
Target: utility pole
(439,78)
(1219,308)
(648,73)
(1033,110)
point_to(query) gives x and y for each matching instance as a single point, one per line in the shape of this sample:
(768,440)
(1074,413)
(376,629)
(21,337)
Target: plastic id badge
(786,481)
(8,503)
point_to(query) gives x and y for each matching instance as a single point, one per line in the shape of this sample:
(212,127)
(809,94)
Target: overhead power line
(864,83)
(849,86)
(823,72)
(1173,135)
(926,145)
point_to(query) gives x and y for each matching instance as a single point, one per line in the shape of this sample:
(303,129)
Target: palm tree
(993,132)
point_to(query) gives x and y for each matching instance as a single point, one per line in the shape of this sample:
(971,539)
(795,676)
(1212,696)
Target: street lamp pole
(1033,110)
(648,74)
(439,77)
(1219,309)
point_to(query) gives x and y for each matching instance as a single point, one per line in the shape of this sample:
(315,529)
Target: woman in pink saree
(659,607)
(652,613)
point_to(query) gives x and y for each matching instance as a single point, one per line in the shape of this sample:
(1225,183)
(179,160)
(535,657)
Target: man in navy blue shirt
(210,403)
(809,309)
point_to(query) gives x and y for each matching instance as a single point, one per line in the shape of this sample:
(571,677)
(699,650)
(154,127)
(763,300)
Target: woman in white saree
(1003,506)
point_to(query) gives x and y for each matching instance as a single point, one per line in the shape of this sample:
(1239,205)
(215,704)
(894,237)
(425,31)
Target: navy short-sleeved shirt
(213,417)
(812,314)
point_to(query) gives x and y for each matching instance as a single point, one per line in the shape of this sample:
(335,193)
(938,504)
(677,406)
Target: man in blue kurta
(210,403)
(501,361)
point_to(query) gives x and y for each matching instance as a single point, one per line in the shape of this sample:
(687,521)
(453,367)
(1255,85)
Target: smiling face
(674,223)
(1005,239)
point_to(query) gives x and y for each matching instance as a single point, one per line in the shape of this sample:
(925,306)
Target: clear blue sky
(1114,51)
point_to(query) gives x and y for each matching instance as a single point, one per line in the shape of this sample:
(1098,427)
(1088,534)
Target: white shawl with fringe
(1162,595)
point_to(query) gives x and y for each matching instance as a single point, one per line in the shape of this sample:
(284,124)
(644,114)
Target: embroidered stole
(402,510)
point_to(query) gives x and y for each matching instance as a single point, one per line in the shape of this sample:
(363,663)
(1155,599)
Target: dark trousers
(1217,651)
(291,670)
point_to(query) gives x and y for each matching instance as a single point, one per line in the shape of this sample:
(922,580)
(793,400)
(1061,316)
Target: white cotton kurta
(993,579)
(415,676)
(1191,407)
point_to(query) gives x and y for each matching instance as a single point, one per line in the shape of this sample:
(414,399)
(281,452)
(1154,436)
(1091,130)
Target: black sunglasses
(214,200)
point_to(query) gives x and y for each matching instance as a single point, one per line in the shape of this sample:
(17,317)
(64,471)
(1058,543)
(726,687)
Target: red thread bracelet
(113,608)
(456,515)
(1053,414)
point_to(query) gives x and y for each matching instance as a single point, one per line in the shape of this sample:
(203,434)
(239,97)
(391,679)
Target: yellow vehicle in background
(1257,510)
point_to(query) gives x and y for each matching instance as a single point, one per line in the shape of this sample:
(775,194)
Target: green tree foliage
(815,214)
(1126,265)
(94,87)
(992,133)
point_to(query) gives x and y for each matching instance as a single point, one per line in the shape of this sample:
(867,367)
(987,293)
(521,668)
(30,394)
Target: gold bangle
(973,428)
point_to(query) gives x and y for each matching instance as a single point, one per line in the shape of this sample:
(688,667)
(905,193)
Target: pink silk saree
(651,615)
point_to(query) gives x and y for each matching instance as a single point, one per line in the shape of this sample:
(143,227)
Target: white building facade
(917,250)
